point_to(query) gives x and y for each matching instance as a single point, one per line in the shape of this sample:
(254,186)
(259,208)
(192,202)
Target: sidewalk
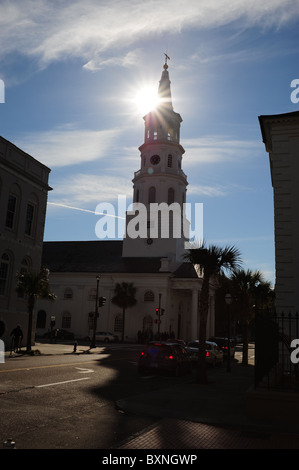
(47,349)
(211,416)
(192,416)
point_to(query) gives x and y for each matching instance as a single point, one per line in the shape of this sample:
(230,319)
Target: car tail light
(207,354)
(143,354)
(169,357)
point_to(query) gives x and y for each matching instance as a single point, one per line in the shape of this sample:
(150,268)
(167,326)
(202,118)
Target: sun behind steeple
(160,179)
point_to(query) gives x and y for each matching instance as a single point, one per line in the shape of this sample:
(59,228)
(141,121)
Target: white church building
(151,261)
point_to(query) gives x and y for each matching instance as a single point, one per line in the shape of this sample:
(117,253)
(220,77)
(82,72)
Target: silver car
(214,355)
(105,336)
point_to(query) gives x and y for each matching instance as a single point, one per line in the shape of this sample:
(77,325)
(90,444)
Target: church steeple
(160,178)
(164,91)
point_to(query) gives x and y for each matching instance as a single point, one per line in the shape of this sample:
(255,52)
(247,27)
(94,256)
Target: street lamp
(228,301)
(96,314)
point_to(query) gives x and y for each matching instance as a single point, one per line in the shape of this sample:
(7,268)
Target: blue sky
(72,71)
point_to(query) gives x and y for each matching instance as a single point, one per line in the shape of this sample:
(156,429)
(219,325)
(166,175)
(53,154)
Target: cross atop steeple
(166,57)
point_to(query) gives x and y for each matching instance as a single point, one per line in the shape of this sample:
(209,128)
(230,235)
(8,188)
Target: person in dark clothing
(17,336)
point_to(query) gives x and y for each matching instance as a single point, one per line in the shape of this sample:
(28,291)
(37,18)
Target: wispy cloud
(210,191)
(91,30)
(128,60)
(63,147)
(86,190)
(216,148)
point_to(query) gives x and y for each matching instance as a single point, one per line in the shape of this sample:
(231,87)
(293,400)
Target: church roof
(99,256)
(102,256)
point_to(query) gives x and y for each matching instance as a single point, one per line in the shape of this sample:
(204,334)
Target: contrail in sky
(84,210)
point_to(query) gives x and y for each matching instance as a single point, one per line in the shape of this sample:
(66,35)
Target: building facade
(281,137)
(23,200)
(148,257)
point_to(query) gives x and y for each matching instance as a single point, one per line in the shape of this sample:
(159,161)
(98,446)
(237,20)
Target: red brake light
(207,354)
(169,357)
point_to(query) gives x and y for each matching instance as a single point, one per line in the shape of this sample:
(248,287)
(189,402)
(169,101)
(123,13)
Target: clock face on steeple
(155,159)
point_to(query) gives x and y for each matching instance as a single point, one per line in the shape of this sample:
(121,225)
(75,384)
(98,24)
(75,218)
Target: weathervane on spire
(166,57)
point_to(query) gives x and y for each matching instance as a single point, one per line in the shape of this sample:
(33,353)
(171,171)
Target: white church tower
(157,226)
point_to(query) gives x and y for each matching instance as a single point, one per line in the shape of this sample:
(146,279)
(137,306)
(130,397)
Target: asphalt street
(66,400)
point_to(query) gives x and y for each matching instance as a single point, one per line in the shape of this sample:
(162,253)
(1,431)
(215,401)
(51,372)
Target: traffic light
(160,311)
(102,301)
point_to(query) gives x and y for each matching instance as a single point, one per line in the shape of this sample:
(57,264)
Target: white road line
(84,371)
(59,383)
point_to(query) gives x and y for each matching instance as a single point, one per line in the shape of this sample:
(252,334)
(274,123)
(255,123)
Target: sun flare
(146,99)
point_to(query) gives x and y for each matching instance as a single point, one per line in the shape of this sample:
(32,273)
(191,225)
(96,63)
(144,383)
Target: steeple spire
(164,91)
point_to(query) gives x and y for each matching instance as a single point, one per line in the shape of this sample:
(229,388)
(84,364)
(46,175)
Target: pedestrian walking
(17,336)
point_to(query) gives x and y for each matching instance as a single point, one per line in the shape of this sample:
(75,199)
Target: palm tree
(34,285)
(250,291)
(124,297)
(214,261)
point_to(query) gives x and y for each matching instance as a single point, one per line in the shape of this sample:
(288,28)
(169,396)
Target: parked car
(214,354)
(57,333)
(106,337)
(164,356)
(223,344)
(179,341)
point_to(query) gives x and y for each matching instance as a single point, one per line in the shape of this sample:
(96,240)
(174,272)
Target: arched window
(41,319)
(170,134)
(68,293)
(147,324)
(170,199)
(149,296)
(66,320)
(151,195)
(4,271)
(24,266)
